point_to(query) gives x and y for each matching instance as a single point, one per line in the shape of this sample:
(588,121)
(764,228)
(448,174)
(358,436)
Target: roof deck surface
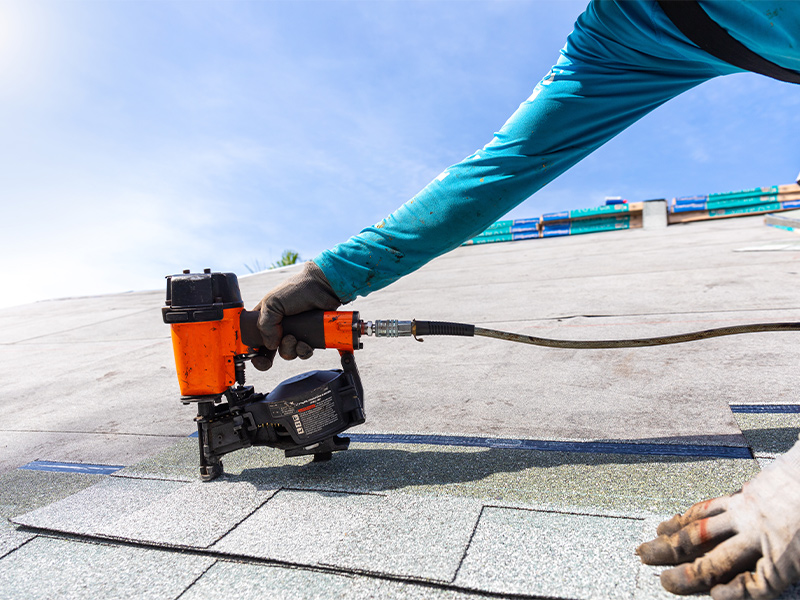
(485,468)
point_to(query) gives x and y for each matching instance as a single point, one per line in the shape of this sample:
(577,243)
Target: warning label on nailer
(310,415)
(320,414)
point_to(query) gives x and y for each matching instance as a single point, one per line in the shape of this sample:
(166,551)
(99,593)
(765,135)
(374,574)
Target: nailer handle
(317,328)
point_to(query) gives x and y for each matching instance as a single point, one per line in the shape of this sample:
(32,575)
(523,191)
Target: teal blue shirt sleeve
(621,61)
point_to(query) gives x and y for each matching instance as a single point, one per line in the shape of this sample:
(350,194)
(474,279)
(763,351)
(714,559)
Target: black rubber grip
(306,327)
(248,324)
(443,328)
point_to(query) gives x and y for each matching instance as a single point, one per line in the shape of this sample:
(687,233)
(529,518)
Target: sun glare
(10,33)
(23,45)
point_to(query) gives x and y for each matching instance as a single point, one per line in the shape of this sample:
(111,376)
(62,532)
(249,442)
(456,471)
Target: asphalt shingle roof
(533,472)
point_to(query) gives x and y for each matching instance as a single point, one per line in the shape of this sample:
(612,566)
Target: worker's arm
(746,545)
(620,62)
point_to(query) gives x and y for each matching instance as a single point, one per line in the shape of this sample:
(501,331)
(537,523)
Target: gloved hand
(307,290)
(746,545)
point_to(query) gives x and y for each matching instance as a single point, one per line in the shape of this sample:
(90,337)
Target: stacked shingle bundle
(734,204)
(508,231)
(591,220)
(570,222)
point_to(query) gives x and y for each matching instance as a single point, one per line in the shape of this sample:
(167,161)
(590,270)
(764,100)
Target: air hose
(423,328)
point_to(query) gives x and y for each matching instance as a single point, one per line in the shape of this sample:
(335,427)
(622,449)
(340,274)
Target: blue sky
(142,137)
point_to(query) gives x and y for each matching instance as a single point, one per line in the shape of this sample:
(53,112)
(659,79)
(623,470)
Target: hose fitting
(386,328)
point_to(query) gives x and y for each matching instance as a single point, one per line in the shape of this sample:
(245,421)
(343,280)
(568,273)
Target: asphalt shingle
(158,512)
(420,538)
(53,568)
(195,515)
(607,482)
(96,508)
(11,538)
(385,512)
(287,583)
(24,491)
(552,554)
(769,435)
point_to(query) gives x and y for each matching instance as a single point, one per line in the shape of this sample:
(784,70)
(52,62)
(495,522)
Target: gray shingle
(769,435)
(24,491)
(398,535)
(11,538)
(286,583)
(552,554)
(160,512)
(606,482)
(51,568)
(96,508)
(195,515)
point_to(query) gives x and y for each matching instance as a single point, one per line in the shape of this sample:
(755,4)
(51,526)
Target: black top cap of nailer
(193,297)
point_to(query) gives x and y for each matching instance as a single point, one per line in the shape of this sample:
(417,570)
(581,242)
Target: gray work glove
(307,290)
(746,545)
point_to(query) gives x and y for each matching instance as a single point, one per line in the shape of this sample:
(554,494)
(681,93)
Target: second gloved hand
(746,545)
(307,290)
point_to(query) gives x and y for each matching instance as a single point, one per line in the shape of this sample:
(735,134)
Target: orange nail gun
(213,336)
